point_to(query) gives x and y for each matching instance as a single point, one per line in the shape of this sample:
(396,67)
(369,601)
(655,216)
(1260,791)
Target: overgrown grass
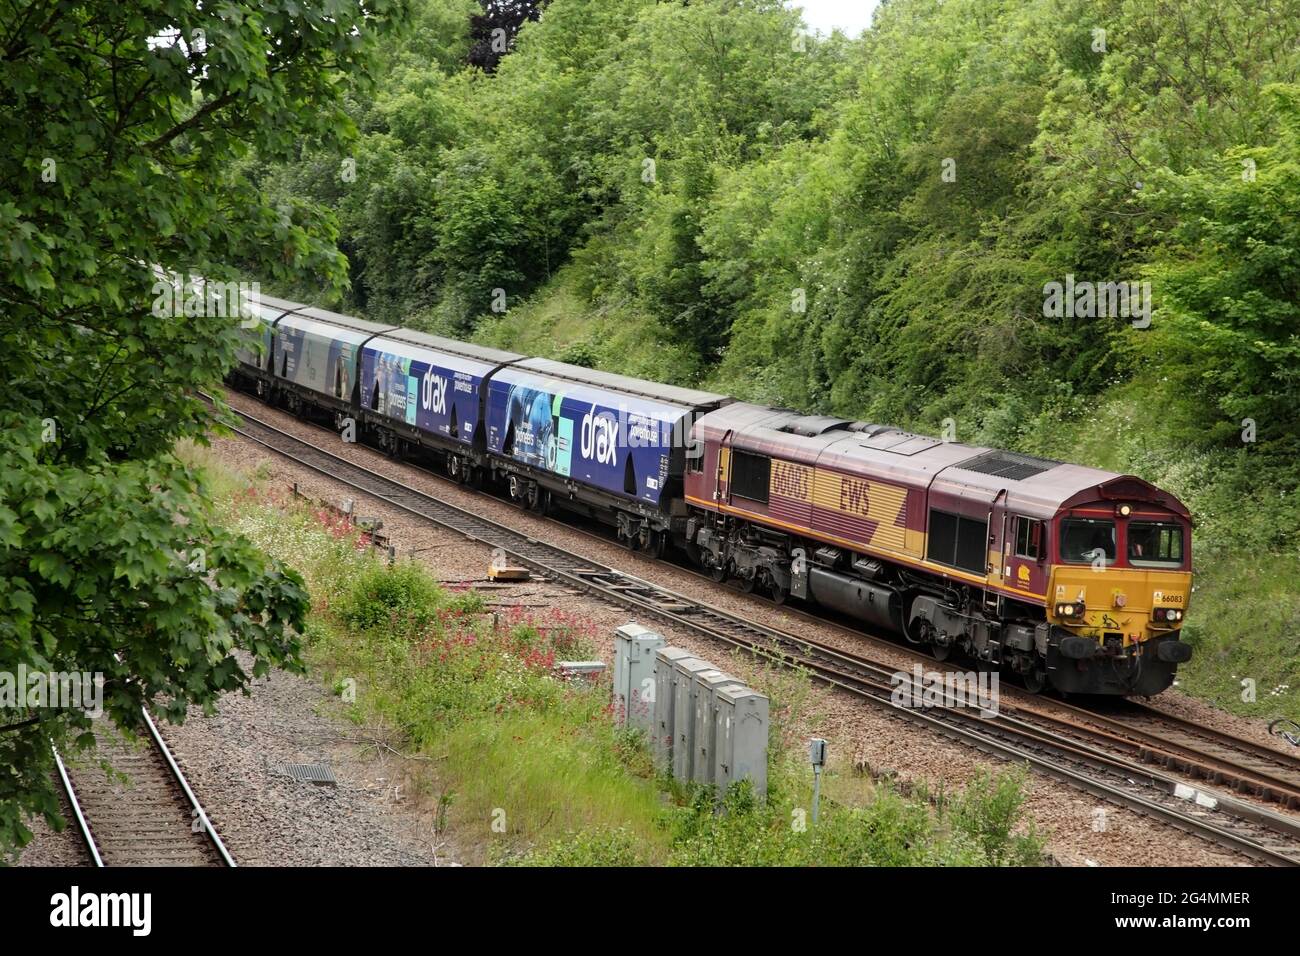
(976,828)
(519,767)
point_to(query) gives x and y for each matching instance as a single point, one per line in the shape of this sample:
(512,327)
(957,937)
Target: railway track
(1066,749)
(1202,753)
(153,820)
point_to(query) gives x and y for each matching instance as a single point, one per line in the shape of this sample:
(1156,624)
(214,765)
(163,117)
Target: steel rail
(195,806)
(177,777)
(83,825)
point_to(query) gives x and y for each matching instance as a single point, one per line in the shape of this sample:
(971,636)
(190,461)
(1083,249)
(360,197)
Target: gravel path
(1080,830)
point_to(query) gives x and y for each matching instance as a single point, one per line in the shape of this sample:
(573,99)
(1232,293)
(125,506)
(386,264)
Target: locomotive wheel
(941,652)
(779,594)
(747,585)
(1035,680)
(718,574)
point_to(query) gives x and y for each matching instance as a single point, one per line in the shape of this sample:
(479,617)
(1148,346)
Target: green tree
(1228,322)
(121,126)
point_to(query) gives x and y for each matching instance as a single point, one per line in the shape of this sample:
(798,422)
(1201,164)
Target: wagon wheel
(539,499)
(779,594)
(656,543)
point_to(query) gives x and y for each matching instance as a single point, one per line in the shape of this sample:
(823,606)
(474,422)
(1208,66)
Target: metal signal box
(740,738)
(684,716)
(634,680)
(707,684)
(665,703)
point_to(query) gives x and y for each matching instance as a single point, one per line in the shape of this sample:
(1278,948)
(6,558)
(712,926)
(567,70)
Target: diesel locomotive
(1064,575)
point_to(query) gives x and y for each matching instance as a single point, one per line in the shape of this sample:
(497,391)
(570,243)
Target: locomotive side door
(722,472)
(1001,531)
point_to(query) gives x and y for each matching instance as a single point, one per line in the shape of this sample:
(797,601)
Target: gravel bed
(1207,715)
(55,849)
(266,818)
(859,734)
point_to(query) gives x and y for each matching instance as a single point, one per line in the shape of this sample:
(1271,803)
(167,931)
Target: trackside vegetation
(517,767)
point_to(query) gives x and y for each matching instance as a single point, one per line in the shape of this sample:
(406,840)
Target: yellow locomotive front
(1117,594)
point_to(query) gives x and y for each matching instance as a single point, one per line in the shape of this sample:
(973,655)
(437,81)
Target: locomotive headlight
(1125,510)
(1069,610)
(1169,614)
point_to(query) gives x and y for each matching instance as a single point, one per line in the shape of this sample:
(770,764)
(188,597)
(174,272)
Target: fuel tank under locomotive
(873,603)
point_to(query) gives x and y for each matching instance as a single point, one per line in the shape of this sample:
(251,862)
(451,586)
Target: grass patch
(1243,628)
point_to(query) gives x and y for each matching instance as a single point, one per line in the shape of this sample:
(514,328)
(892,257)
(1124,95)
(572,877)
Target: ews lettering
(854,496)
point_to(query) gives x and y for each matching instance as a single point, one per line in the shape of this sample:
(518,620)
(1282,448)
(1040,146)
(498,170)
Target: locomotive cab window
(1155,544)
(1029,538)
(958,541)
(1083,538)
(750,475)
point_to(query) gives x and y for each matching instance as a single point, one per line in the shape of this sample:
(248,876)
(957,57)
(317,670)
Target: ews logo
(599,437)
(433,393)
